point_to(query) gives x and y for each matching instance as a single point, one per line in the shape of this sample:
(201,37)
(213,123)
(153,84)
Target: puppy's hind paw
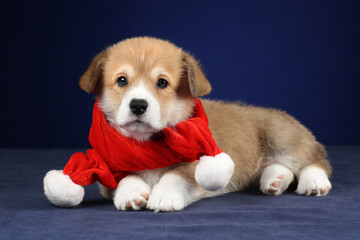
(313,181)
(275,179)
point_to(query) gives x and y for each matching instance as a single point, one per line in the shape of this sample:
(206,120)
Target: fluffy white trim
(61,190)
(213,173)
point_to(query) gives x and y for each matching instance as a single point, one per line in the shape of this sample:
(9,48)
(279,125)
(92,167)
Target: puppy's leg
(275,179)
(173,193)
(106,192)
(132,192)
(313,180)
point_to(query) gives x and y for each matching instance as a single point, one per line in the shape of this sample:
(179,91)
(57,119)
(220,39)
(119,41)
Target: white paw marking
(275,179)
(131,193)
(313,181)
(161,201)
(172,193)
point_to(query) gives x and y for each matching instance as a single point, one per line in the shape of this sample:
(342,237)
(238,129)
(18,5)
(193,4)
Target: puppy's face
(144,85)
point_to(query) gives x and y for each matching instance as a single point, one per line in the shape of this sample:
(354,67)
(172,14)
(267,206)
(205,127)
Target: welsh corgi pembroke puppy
(270,149)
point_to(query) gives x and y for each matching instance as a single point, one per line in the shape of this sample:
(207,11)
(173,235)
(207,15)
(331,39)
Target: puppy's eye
(121,81)
(162,83)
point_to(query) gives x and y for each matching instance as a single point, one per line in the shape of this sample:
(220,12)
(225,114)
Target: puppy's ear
(93,74)
(198,83)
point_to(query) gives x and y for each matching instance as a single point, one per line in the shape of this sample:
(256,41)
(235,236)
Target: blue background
(298,56)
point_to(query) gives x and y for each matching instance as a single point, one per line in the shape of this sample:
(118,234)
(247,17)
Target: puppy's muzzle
(138,106)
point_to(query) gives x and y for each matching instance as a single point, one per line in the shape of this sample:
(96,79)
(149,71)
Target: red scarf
(113,155)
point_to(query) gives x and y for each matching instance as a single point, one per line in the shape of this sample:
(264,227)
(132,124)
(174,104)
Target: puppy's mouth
(137,124)
(138,127)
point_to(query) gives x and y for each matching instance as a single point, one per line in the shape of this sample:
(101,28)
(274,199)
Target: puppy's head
(145,84)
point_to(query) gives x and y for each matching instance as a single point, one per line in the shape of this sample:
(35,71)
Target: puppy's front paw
(165,201)
(132,193)
(132,201)
(172,193)
(313,181)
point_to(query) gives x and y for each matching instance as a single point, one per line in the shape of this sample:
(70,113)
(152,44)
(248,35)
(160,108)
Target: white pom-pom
(213,173)
(61,190)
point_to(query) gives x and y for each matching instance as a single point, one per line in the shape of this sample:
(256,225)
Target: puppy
(145,84)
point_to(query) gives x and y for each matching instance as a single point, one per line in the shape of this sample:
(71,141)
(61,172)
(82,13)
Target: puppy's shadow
(96,202)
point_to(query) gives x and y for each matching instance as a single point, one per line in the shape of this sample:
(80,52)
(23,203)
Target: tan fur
(93,74)
(254,137)
(144,54)
(198,84)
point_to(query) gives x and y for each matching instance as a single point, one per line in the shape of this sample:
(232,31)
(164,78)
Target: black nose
(138,106)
